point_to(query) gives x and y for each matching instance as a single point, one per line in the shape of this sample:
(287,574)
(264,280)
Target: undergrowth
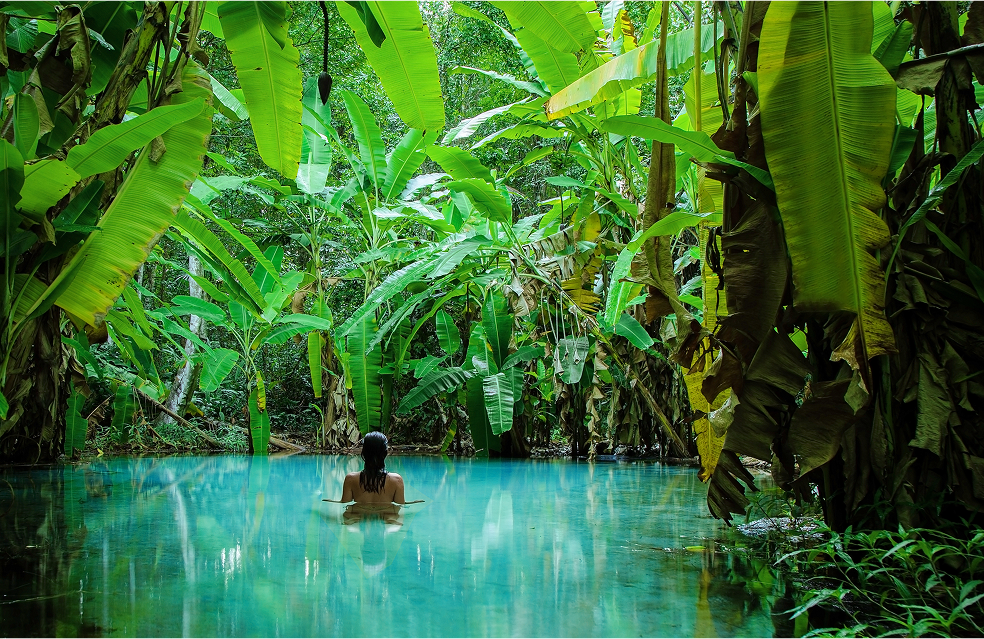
(914,583)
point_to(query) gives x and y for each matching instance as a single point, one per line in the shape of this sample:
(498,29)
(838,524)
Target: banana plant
(250,306)
(491,374)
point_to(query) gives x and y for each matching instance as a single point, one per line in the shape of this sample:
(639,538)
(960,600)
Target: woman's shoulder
(351,476)
(394,477)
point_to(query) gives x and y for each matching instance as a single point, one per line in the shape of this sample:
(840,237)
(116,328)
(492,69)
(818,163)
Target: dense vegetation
(714,229)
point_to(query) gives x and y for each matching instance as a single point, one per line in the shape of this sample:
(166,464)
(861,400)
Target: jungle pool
(238,546)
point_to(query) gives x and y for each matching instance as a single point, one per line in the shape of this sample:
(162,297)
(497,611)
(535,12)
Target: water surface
(238,546)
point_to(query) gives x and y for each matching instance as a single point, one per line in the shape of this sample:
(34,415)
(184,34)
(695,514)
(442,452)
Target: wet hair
(374,449)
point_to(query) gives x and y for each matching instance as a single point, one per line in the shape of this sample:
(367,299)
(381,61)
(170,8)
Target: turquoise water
(234,546)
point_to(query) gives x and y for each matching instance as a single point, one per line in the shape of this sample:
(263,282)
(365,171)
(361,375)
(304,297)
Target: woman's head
(374,449)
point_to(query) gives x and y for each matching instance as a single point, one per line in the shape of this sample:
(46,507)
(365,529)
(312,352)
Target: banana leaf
(491,202)
(522,355)
(460,164)
(143,208)
(395,283)
(497,323)
(216,367)
(366,381)
(531,87)
(556,68)
(211,251)
(45,183)
(828,149)
(259,424)
(523,130)
(109,147)
(447,333)
(372,151)
(468,126)
(404,161)
(499,400)
(315,343)
(565,26)
(444,263)
(123,407)
(75,425)
(439,381)
(187,305)
(627,71)
(316,155)
(405,61)
(26,124)
(267,67)
(629,328)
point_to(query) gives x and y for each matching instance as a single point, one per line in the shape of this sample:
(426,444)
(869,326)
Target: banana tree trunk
(36,392)
(186,379)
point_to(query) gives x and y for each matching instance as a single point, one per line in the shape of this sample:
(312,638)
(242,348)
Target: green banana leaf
(395,283)
(210,19)
(405,61)
(123,407)
(214,253)
(498,325)
(629,70)
(372,151)
(45,183)
(187,305)
(366,381)
(630,328)
(75,424)
(565,26)
(531,87)
(523,355)
(268,277)
(316,155)
(259,422)
(523,130)
(468,126)
(696,143)
(488,200)
(444,263)
(447,333)
(459,163)
(315,343)
(143,208)
(828,149)
(26,125)
(404,161)
(109,147)
(439,381)
(216,367)
(556,68)
(620,291)
(267,67)
(499,400)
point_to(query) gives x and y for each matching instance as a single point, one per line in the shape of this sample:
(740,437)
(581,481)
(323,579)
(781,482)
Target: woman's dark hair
(373,476)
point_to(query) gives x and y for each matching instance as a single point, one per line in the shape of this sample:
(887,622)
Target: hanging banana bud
(324,87)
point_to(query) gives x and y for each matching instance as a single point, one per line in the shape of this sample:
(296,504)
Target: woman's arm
(347,493)
(398,496)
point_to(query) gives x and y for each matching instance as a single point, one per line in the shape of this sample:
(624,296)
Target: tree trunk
(186,379)
(35,390)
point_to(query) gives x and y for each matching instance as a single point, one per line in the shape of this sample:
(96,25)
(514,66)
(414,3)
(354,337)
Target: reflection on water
(235,546)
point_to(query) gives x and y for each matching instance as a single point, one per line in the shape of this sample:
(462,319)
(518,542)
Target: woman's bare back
(392,491)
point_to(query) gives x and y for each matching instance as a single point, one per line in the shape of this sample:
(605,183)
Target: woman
(373,485)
